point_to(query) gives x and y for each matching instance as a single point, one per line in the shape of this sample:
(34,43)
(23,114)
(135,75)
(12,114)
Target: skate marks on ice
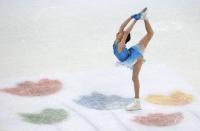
(41,88)
(81,116)
(46,116)
(101,101)
(176,98)
(159,119)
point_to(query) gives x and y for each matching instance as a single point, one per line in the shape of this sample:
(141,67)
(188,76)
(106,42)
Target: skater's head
(120,36)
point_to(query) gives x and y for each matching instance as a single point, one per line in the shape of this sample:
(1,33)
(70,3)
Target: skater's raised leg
(145,40)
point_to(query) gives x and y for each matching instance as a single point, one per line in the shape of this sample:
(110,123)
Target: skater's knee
(140,59)
(150,34)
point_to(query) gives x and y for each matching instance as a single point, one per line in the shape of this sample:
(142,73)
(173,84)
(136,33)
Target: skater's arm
(123,25)
(126,32)
(122,43)
(130,27)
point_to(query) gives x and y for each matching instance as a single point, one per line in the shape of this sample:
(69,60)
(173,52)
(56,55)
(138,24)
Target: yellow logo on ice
(174,99)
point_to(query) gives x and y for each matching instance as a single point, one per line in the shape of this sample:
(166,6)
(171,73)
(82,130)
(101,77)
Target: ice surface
(95,100)
(47,116)
(51,39)
(175,98)
(102,102)
(40,88)
(159,119)
(39,37)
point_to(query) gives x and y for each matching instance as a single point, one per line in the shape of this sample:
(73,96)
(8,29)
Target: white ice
(71,40)
(156,79)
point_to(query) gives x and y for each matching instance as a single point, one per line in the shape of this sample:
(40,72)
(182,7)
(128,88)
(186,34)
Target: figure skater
(132,57)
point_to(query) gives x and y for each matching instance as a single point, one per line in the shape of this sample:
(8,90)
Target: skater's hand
(140,15)
(136,16)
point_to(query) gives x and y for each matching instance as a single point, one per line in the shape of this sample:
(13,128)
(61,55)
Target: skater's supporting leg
(145,40)
(135,76)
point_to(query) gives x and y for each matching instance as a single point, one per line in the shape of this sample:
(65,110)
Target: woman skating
(132,57)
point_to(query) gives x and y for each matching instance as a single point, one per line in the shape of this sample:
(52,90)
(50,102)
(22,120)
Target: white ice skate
(134,106)
(143,14)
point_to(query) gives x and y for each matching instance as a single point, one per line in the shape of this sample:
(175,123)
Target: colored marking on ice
(175,98)
(100,101)
(159,119)
(40,88)
(47,116)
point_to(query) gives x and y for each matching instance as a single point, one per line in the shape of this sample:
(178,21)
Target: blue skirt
(136,52)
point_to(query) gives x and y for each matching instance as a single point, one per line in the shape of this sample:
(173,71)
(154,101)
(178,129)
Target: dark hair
(128,38)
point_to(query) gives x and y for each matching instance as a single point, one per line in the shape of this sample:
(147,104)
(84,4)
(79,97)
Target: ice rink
(95,100)
(58,71)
